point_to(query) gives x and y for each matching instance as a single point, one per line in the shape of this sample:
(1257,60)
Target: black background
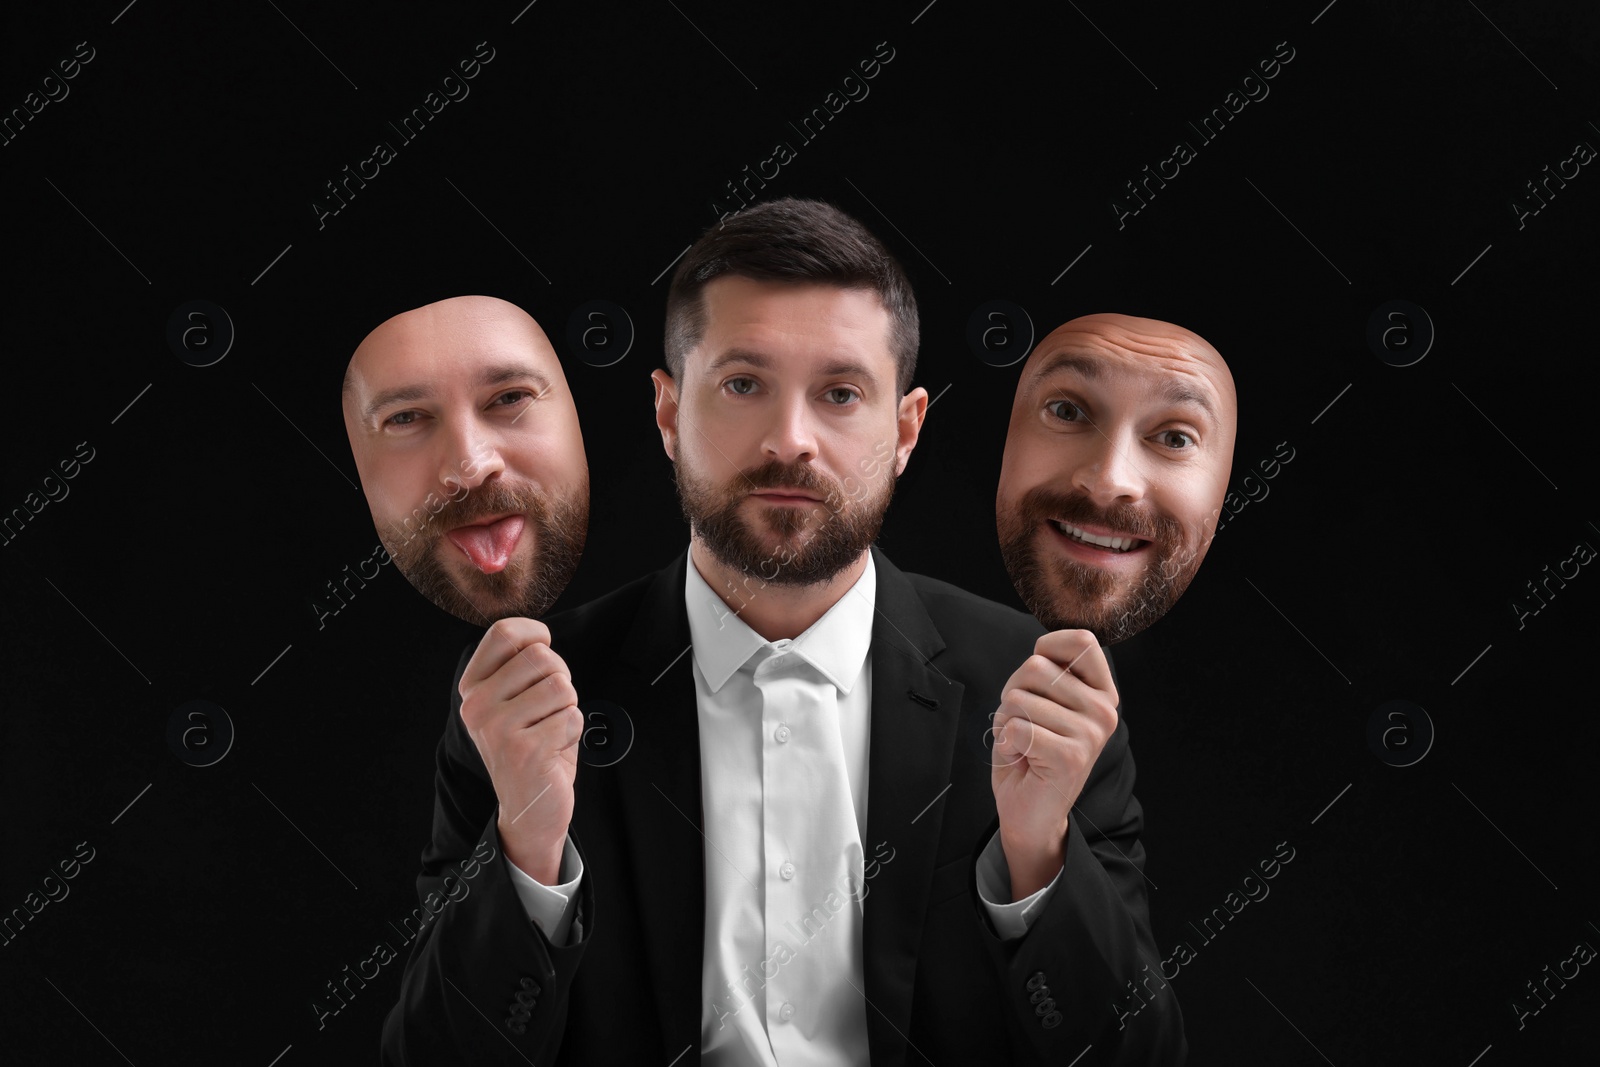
(1382,563)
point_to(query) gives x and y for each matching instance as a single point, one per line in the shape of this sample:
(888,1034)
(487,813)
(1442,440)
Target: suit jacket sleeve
(483,984)
(1091,941)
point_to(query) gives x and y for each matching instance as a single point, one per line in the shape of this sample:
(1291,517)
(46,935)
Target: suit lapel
(915,712)
(659,782)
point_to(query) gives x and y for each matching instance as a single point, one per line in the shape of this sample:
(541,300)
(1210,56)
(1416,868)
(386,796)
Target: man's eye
(513,397)
(1065,410)
(1184,440)
(742,386)
(401,418)
(841,395)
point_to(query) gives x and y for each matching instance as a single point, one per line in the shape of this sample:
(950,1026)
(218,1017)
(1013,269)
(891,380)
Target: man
(808,854)
(470,455)
(1116,464)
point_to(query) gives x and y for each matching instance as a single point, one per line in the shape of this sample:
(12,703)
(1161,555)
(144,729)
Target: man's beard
(842,529)
(1082,596)
(558,526)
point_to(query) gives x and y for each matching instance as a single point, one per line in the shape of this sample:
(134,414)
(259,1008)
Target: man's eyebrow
(501,373)
(843,367)
(495,374)
(1173,392)
(1178,393)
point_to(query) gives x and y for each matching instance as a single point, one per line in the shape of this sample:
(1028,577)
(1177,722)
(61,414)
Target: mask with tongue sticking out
(489,546)
(502,582)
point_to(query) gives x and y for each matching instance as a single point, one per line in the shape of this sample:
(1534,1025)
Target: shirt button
(782,732)
(786,1012)
(786,871)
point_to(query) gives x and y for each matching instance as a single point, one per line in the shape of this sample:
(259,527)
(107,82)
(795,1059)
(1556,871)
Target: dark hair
(795,241)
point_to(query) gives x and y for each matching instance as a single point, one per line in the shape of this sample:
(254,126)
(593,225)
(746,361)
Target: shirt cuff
(1012,920)
(551,907)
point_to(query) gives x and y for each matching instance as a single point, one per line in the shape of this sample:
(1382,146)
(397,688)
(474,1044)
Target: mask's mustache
(461,509)
(1074,508)
(484,502)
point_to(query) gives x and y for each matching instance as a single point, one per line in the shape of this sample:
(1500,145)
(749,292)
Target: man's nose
(1108,469)
(791,438)
(470,458)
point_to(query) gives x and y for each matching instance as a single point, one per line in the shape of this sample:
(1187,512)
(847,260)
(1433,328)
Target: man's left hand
(1056,713)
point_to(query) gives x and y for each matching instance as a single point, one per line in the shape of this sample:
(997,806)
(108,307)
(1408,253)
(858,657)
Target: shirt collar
(836,644)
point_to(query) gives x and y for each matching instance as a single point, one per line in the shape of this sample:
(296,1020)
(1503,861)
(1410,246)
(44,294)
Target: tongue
(489,547)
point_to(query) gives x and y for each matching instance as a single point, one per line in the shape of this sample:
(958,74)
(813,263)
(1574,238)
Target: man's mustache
(1077,509)
(495,498)
(775,474)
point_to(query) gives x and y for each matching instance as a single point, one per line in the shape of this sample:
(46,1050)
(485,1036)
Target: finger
(503,641)
(1078,653)
(521,673)
(554,733)
(1021,705)
(1047,753)
(1014,740)
(577,723)
(1048,714)
(1047,732)
(547,697)
(1044,678)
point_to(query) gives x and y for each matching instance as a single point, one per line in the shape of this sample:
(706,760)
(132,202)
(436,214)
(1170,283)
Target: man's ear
(667,411)
(913,409)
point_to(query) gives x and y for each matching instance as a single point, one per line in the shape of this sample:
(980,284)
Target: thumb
(1009,738)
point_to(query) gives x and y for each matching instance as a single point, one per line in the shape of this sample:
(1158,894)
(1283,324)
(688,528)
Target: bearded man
(1116,465)
(470,455)
(801,843)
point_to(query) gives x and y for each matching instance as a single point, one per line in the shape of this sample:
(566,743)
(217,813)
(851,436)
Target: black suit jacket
(483,985)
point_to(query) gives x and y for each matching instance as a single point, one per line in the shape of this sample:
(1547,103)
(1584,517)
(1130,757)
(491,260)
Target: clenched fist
(1057,711)
(521,711)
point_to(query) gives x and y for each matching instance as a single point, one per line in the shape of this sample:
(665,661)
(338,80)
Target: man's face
(1116,464)
(470,455)
(786,432)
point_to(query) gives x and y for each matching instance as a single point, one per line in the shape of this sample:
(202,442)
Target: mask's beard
(1064,593)
(525,588)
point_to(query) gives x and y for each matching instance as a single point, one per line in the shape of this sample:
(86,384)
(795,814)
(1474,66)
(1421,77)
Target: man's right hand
(520,709)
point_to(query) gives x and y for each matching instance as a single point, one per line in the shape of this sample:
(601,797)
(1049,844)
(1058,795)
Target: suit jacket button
(1051,1021)
(1036,982)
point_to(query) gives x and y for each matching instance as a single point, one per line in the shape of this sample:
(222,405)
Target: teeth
(1116,544)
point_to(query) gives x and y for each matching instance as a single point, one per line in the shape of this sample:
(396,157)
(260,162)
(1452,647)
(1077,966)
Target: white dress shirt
(784,732)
